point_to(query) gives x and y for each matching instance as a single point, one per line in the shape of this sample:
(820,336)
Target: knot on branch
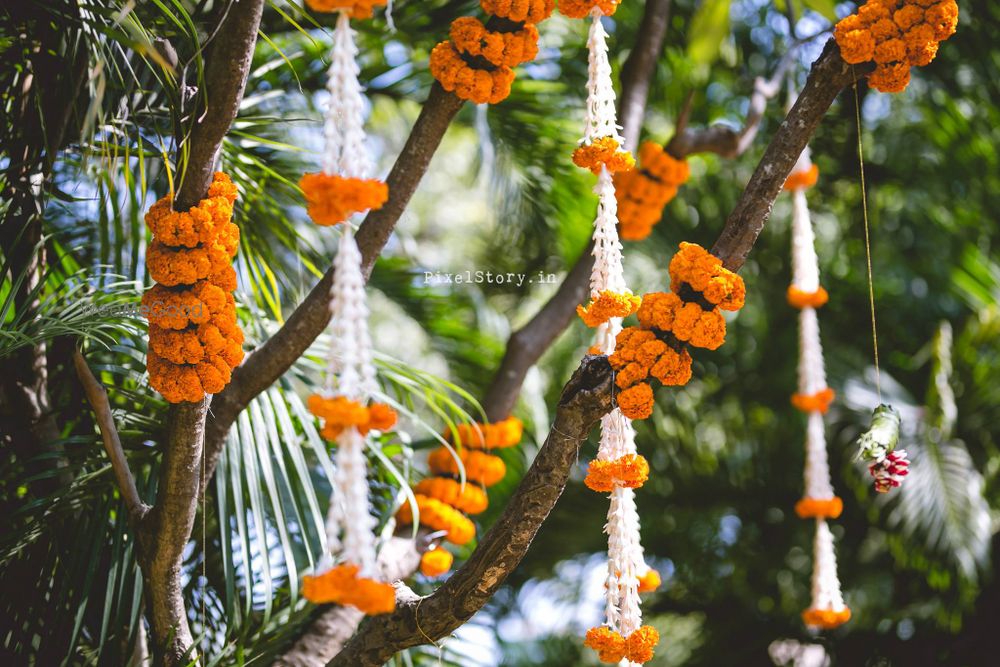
(589,391)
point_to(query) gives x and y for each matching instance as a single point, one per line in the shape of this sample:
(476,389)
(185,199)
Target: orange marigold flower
(891,50)
(943,18)
(436,562)
(332,199)
(480,467)
(436,515)
(630,471)
(342,585)
(658,310)
(649,581)
(504,433)
(890,78)
(819,508)
(663,166)
(640,644)
(636,402)
(479,86)
(672,368)
(908,16)
(469,498)
(631,374)
(818,402)
(872,12)
(470,36)
(610,645)
(359,9)
(185,266)
(857,46)
(175,382)
(607,305)
(219,336)
(520,11)
(340,412)
(801,299)
(882,30)
(704,272)
(802,179)
(578,9)
(827,619)
(175,308)
(603,152)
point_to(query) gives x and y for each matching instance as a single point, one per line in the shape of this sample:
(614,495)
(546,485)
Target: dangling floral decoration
(444,500)
(670,321)
(194,338)
(813,398)
(644,191)
(477,62)
(887,465)
(344,186)
(897,35)
(349,415)
(618,468)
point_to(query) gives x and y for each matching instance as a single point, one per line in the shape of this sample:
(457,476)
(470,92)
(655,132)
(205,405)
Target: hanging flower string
(618,469)
(348,417)
(669,322)
(344,186)
(477,62)
(194,338)
(827,609)
(897,35)
(877,446)
(644,191)
(444,500)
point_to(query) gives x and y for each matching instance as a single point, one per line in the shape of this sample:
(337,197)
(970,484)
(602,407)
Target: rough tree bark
(585,399)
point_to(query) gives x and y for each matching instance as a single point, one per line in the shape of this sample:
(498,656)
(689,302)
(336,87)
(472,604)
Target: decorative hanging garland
(477,62)
(341,190)
(818,502)
(897,35)
(668,322)
(344,186)
(618,469)
(644,191)
(443,500)
(194,338)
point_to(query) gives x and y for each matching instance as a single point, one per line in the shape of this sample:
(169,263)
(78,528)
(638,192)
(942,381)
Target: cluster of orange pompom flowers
(444,500)
(477,62)
(897,35)
(644,191)
(688,315)
(343,585)
(194,339)
(340,412)
(612,648)
(356,9)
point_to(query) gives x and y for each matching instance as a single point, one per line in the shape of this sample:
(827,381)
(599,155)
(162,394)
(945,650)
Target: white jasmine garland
(826,593)
(345,153)
(600,118)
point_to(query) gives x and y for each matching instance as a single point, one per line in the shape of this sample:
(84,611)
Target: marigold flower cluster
(800,299)
(578,9)
(477,62)
(814,508)
(340,412)
(194,338)
(332,199)
(495,435)
(630,471)
(805,178)
(342,585)
(607,305)
(612,648)
(604,152)
(358,9)
(649,581)
(644,191)
(827,619)
(444,500)
(896,35)
(690,315)
(436,562)
(818,402)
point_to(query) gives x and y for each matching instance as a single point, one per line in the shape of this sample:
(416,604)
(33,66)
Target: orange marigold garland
(476,62)
(495,435)
(436,562)
(896,35)
(644,191)
(814,397)
(344,186)
(194,338)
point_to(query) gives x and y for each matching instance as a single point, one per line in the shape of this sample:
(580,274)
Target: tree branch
(97,396)
(637,72)
(585,399)
(166,529)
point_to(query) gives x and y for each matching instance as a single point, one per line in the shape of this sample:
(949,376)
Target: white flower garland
(345,153)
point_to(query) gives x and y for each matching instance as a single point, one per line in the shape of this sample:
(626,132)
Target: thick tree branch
(585,399)
(166,529)
(97,396)
(637,72)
